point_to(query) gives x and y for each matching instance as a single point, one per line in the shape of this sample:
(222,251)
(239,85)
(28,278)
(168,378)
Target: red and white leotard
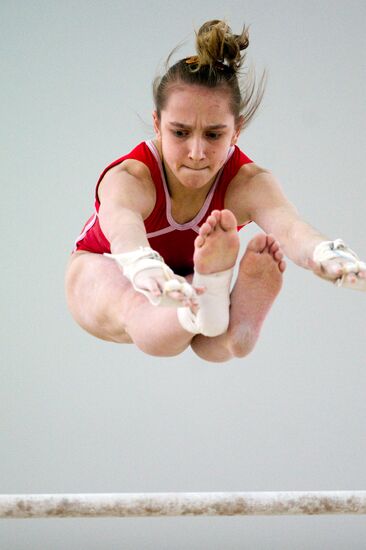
(173,241)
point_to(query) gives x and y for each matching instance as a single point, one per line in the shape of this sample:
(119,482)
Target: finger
(333,268)
(199,290)
(176,295)
(190,304)
(330,270)
(350,278)
(181,297)
(155,286)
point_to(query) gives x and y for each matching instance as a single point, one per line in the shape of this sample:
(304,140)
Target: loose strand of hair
(252,92)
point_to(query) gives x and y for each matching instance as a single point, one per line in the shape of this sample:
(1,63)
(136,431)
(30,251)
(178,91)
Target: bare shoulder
(129,167)
(135,168)
(244,190)
(129,183)
(255,194)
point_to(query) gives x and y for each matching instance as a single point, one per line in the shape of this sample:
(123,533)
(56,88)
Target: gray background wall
(82,415)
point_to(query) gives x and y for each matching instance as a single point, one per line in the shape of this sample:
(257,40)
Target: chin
(195,182)
(194,179)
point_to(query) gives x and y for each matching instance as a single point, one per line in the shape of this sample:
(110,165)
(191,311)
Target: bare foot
(217,245)
(259,281)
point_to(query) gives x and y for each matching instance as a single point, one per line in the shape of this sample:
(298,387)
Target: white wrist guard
(331,250)
(133,263)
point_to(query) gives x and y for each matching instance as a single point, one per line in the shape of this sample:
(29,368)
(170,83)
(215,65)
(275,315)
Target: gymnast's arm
(257,196)
(127,197)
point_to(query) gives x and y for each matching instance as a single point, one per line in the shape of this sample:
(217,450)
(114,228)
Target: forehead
(188,101)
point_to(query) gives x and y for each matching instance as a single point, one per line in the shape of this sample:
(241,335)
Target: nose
(196,149)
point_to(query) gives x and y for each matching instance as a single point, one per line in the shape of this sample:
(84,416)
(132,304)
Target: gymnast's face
(195,132)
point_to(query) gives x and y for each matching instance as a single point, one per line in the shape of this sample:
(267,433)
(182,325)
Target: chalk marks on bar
(182,504)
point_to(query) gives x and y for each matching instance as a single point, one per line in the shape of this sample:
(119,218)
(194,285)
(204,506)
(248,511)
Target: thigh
(105,304)
(97,296)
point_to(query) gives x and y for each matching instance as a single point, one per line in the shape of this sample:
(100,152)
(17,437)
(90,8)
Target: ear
(156,124)
(238,129)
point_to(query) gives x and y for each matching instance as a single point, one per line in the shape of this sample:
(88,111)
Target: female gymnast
(154,264)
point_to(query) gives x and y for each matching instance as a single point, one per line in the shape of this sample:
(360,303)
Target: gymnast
(153,266)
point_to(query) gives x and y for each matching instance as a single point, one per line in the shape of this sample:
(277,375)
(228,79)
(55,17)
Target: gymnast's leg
(258,283)
(104,303)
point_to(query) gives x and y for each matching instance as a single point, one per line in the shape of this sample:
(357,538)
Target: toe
(216,214)
(282,266)
(271,240)
(274,247)
(205,229)
(258,243)
(278,255)
(212,221)
(199,241)
(228,221)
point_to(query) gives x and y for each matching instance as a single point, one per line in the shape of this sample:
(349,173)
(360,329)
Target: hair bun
(215,43)
(216,66)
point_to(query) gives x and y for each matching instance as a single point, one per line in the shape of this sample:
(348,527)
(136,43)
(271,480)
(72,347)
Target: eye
(179,133)
(213,135)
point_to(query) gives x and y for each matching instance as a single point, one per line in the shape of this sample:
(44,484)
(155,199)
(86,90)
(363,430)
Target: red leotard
(173,241)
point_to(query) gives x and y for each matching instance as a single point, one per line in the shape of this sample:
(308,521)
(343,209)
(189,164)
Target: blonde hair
(218,63)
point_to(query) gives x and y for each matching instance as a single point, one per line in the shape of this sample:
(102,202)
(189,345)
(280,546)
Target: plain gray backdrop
(81,415)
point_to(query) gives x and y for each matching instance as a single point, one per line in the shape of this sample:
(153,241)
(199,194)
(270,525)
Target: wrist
(328,250)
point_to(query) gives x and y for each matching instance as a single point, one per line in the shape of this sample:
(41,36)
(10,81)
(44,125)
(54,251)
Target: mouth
(196,169)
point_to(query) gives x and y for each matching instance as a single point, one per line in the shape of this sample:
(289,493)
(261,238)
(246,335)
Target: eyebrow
(209,127)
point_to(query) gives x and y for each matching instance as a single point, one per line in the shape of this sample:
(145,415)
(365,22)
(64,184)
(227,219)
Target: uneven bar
(182,504)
